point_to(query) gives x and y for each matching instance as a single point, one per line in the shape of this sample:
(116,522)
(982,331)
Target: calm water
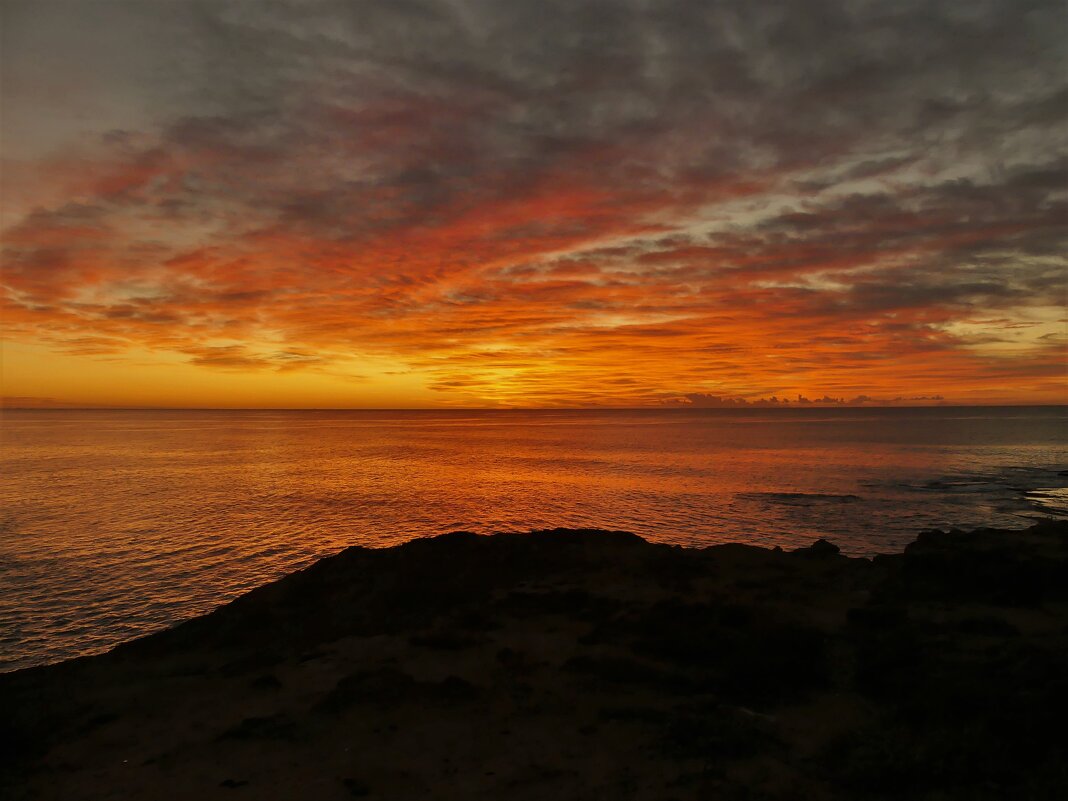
(117,523)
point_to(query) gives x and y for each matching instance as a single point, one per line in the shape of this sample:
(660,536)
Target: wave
(798,498)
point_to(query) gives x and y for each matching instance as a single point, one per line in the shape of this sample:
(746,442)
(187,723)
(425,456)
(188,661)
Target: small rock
(820,547)
(356,788)
(268,681)
(274,727)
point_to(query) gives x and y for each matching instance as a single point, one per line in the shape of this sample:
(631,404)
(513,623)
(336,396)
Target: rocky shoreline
(575,664)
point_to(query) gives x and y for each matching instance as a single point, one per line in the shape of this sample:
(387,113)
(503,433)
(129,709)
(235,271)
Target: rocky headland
(579,664)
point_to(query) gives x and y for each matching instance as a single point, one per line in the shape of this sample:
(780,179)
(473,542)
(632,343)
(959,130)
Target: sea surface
(114,524)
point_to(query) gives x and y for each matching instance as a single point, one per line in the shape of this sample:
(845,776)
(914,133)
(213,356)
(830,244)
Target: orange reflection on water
(120,522)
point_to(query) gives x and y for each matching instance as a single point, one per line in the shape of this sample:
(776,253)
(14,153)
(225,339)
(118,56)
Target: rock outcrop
(574,664)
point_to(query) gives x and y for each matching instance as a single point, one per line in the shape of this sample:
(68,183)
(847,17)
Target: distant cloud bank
(702,400)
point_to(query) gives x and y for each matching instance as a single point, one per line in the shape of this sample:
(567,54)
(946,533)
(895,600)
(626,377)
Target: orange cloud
(543,230)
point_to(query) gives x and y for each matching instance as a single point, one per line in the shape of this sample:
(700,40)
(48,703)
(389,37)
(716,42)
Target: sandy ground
(580,665)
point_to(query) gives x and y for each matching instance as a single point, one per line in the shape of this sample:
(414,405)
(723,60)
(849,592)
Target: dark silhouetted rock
(581,664)
(820,547)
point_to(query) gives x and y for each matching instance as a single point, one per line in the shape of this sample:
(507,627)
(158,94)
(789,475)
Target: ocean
(114,524)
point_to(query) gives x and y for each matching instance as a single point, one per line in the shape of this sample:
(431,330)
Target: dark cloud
(239,357)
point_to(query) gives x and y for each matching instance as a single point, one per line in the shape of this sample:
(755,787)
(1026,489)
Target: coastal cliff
(574,664)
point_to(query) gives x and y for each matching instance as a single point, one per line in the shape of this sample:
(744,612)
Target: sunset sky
(422,203)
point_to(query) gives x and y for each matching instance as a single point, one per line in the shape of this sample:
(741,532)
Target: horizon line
(666,407)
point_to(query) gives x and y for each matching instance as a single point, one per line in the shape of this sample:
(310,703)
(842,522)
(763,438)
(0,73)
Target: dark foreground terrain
(581,665)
